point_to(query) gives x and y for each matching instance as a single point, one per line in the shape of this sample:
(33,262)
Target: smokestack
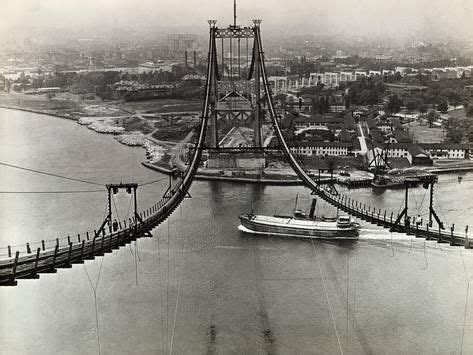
(195,59)
(312,208)
(185,57)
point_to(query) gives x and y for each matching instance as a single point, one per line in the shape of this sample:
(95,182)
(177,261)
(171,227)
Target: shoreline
(39,112)
(76,119)
(210,177)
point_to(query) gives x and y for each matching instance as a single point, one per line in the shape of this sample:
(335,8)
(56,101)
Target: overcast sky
(353,17)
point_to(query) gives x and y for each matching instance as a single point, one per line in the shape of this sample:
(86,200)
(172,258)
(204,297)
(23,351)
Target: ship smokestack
(195,59)
(185,58)
(312,208)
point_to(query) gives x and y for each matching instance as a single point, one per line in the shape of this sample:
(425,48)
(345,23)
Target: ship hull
(283,228)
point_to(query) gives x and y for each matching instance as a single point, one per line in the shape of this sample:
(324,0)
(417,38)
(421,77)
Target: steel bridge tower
(236,93)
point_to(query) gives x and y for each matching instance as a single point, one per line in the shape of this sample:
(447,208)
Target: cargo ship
(300,226)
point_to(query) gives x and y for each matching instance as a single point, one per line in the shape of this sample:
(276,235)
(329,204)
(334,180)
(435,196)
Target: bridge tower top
(236,95)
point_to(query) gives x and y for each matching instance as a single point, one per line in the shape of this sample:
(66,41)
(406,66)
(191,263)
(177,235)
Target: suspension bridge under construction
(253,91)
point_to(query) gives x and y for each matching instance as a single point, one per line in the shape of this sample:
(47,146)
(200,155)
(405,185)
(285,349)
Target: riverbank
(146,127)
(39,112)
(141,124)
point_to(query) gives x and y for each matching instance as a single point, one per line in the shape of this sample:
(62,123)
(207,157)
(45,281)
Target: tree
(397,76)
(469,110)
(280,97)
(456,100)
(322,105)
(315,104)
(326,104)
(443,106)
(394,104)
(432,116)
(455,135)
(330,162)
(414,104)
(347,102)
(470,135)
(423,108)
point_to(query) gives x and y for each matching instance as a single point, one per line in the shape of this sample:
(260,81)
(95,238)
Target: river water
(199,286)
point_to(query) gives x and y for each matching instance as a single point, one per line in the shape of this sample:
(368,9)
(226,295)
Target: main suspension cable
(52,192)
(153,181)
(67,178)
(50,174)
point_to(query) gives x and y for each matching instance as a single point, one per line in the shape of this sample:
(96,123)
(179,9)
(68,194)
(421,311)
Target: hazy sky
(364,17)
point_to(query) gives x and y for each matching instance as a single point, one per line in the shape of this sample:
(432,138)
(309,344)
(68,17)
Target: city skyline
(347,18)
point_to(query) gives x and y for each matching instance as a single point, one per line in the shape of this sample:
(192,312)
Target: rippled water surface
(199,286)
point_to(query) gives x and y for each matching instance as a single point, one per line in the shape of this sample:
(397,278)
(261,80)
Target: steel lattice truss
(235,32)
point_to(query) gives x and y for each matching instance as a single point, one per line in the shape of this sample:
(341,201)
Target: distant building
(443,74)
(384,127)
(373,73)
(156,66)
(445,150)
(383,58)
(403,88)
(316,79)
(402,70)
(331,79)
(49,90)
(279,84)
(418,156)
(398,150)
(310,148)
(179,43)
(423,153)
(314,121)
(359,74)
(347,76)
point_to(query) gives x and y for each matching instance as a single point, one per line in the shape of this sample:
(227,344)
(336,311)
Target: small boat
(300,226)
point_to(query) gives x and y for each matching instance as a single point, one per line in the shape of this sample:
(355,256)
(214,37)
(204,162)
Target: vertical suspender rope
(247,82)
(239,64)
(223,61)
